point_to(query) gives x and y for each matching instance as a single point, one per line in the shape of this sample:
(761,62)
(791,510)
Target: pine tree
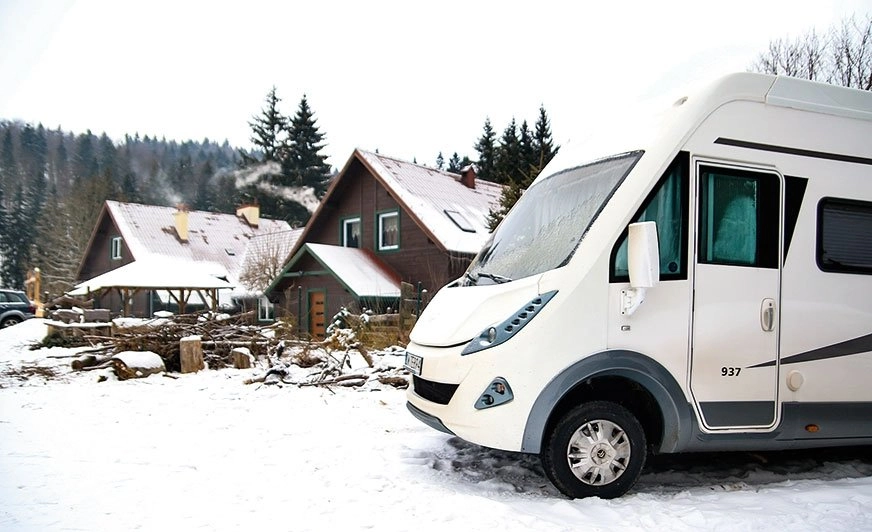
(508,163)
(526,155)
(440,161)
(454,164)
(305,166)
(486,148)
(520,158)
(543,144)
(85,165)
(15,245)
(269,130)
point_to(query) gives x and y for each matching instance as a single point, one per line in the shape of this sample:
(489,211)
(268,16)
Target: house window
(351,232)
(116,248)
(844,239)
(265,310)
(389,230)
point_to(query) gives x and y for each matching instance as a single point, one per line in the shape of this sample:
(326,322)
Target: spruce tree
(85,163)
(543,144)
(486,148)
(508,164)
(521,156)
(305,165)
(269,130)
(454,165)
(440,161)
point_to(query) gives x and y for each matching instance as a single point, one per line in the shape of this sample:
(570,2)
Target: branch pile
(278,358)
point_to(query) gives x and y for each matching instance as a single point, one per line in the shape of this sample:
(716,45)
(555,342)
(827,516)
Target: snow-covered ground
(206,451)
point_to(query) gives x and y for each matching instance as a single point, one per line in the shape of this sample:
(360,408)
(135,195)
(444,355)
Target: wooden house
(383,222)
(165,258)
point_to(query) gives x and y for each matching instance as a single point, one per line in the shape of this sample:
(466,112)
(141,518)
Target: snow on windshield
(546,225)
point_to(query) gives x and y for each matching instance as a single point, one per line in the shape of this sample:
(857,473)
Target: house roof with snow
(451,212)
(358,270)
(158,273)
(222,240)
(454,213)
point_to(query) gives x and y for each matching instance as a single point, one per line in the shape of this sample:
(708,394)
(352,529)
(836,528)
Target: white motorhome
(710,289)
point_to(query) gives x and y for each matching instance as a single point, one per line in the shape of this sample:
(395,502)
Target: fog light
(498,392)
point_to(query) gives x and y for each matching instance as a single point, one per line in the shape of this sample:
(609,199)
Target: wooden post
(191,354)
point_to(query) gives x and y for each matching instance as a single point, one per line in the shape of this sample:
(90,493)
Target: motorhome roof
(639,131)
(820,98)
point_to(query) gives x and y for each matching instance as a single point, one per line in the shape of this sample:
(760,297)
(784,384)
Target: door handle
(767,314)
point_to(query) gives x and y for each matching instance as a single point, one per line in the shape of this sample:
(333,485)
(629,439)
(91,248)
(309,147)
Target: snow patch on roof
(158,272)
(217,238)
(357,269)
(428,193)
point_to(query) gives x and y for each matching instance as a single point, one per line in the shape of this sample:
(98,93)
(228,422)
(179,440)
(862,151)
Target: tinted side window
(844,236)
(738,218)
(666,205)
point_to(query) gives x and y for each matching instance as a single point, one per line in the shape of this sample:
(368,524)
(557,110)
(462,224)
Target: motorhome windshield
(545,226)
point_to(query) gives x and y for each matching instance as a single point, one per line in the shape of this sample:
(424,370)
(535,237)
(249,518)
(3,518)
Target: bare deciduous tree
(843,56)
(851,53)
(264,259)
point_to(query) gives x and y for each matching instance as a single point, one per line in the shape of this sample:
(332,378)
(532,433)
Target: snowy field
(207,452)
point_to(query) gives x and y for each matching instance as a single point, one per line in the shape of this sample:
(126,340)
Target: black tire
(597,449)
(10,321)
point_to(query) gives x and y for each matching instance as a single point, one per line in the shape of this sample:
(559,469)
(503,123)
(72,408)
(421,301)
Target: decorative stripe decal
(794,151)
(861,344)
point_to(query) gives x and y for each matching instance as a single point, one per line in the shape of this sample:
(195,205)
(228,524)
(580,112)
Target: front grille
(436,392)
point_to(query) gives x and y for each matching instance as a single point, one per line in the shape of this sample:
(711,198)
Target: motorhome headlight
(497,334)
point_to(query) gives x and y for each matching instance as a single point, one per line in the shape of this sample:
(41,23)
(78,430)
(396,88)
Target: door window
(738,222)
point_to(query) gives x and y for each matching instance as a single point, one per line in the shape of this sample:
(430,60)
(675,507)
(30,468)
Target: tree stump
(241,358)
(137,364)
(191,354)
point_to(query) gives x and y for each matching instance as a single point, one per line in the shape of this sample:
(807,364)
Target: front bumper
(425,418)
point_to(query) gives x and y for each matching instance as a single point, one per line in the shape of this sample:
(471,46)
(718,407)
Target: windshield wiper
(499,279)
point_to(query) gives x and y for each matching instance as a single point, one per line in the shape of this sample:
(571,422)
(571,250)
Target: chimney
(181,221)
(467,176)
(251,214)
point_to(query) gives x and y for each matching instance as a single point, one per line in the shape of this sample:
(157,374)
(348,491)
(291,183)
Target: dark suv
(14,308)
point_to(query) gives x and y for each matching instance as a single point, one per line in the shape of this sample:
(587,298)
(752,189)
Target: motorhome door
(737,279)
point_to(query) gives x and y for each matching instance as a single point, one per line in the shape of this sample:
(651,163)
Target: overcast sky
(408,78)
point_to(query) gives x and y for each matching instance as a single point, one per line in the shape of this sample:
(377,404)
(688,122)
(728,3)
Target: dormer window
(389,231)
(351,232)
(116,248)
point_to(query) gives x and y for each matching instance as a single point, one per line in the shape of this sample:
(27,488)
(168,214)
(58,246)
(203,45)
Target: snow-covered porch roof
(358,270)
(180,279)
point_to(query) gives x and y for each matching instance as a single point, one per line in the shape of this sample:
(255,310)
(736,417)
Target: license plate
(414,363)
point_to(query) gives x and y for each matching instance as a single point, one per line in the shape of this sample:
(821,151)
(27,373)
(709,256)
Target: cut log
(242,358)
(191,354)
(88,361)
(137,364)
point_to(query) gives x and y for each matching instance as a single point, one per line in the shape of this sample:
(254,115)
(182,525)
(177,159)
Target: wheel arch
(631,379)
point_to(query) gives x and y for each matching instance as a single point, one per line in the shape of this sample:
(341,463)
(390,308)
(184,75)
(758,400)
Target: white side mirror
(643,255)
(643,261)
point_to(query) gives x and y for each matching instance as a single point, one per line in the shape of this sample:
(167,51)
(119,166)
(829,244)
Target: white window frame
(381,221)
(115,248)
(347,222)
